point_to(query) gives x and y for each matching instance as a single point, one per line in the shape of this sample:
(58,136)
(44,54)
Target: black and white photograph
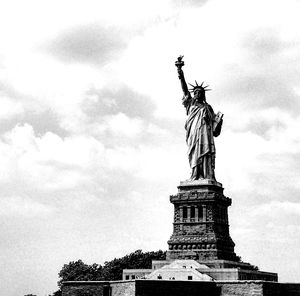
(150,148)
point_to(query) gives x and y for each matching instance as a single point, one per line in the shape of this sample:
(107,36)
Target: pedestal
(201,232)
(200,227)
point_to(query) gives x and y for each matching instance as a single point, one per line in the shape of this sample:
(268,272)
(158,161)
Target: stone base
(200,228)
(200,182)
(217,264)
(237,274)
(225,270)
(202,255)
(180,288)
(227,264)
(201,232)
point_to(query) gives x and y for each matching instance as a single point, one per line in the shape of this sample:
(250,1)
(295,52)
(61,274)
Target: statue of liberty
(201,126)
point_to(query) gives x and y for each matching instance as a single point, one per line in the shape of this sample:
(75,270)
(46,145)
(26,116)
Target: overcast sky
(92,139)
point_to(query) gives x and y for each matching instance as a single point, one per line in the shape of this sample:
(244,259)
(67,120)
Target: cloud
(47,162)
(264,122)
(118,99)
(93,44)
(120,115)
(262,127)
(267,77)
(122,125)
(257,167)
(262,87)
(265,44)
(45,165)
(41,120)
(48,97)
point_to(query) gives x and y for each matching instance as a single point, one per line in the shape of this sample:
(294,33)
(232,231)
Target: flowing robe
(199,138)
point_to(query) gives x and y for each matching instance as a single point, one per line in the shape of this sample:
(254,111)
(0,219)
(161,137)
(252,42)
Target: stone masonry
(200,227)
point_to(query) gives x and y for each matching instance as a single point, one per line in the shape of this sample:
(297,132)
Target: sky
(92,139)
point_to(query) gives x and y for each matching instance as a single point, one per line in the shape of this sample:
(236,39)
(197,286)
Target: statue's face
(199,95)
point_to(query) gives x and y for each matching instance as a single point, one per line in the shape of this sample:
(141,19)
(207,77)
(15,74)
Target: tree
(57,293)
(79,271)
(112,270)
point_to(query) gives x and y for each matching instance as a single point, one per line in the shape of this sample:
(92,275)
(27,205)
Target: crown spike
(196,83)
(202,83)
(192,85)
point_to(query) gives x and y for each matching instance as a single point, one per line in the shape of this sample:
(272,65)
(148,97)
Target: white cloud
(123,125)
(48,162)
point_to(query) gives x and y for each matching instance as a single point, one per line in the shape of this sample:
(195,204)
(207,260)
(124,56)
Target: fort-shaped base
(224,270)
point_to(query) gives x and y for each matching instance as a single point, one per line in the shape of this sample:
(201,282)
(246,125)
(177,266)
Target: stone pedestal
(201,232)
(201,229)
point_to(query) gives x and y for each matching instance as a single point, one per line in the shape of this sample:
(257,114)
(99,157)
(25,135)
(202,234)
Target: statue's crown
(200,87)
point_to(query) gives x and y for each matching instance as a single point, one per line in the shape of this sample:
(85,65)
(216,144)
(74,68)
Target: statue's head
(199,91)
(199,95)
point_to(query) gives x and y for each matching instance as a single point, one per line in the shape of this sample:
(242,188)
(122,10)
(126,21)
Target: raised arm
(179,63)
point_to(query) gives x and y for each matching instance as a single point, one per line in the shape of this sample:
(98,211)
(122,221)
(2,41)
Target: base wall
(179,288)
(241,289)
(85,288)
(175,288)
(122,288)
(236,274)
